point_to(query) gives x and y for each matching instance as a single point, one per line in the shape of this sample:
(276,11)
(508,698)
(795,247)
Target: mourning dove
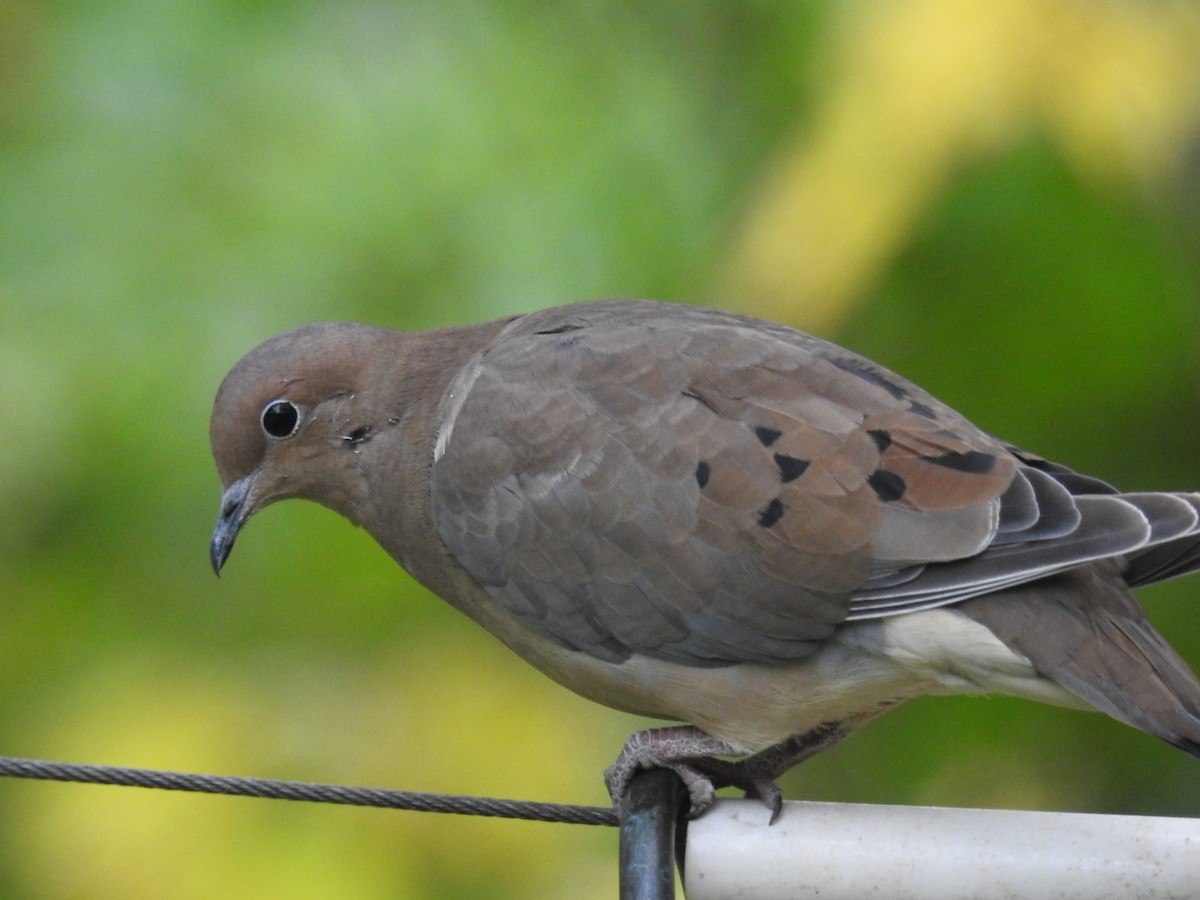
(709,518)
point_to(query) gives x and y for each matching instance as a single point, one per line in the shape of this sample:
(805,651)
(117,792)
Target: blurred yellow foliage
(916,91)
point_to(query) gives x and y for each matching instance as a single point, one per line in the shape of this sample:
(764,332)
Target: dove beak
(235,510)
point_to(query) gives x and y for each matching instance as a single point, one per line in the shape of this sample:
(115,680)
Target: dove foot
(684,749)
(690,753)
(757,774)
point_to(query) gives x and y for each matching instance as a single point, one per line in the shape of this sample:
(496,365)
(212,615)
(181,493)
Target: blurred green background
(1001,201)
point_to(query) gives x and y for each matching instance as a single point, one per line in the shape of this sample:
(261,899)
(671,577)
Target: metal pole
(647,856)
(836,851)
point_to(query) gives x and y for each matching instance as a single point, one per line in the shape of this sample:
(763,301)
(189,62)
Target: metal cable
(43,770)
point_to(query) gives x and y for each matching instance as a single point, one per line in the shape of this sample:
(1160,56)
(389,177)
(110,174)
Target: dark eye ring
(280,419)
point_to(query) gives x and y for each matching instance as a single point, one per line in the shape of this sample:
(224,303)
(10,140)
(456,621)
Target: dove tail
(1084,630)
(1169,560)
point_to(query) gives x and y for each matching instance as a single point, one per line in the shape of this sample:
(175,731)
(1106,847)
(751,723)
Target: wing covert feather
(693,485)
(633,477)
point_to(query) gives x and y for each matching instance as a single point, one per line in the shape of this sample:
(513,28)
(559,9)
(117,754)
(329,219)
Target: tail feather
(1158,562)
(1166,561)
(1084,630)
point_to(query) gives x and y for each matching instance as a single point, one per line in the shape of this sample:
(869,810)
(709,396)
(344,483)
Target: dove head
(284,420)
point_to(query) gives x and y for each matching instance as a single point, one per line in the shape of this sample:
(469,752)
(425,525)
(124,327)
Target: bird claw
(701,792)
(768,792)
(690,753)
(748,776)
(683,749)
(701,776)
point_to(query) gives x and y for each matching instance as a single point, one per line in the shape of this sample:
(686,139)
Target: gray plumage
(709,517)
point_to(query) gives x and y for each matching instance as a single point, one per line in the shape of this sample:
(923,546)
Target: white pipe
(835,851)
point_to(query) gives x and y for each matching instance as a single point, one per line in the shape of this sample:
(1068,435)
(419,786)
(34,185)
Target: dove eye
(280,419)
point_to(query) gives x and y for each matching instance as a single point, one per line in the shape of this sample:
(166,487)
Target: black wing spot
(866,372)
(921,410)
(888,486)
(790,468)
(767,436)
(771,513)
(974,462)
(703,470)
(882,438)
